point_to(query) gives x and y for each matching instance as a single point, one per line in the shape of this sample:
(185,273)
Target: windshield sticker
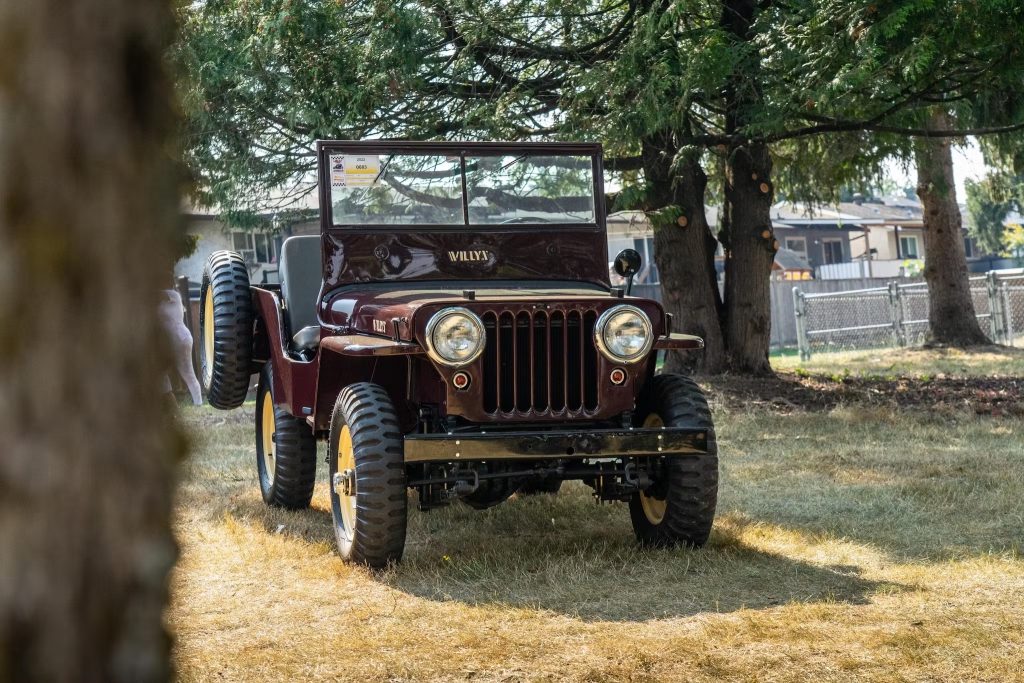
(348,170)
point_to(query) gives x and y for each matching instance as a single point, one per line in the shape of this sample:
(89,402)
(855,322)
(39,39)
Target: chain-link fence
(897,315)
(1008,309)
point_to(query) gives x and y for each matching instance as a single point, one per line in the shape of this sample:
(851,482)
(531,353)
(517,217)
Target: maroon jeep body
(453,330)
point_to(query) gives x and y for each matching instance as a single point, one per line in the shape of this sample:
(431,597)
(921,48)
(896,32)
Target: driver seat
(300,269)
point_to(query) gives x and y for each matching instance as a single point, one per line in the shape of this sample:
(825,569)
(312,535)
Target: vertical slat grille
(539,362)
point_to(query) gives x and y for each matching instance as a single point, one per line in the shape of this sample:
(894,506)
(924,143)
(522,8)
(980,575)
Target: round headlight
(455,336)
(624,334)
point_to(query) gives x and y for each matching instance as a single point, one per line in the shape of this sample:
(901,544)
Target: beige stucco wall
(883,239)
(211,238)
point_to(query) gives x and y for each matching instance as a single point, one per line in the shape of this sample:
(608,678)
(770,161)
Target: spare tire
(226,315)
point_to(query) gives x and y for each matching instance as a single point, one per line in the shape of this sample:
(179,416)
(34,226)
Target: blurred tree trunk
(951,315)
(684,250)
(87,216)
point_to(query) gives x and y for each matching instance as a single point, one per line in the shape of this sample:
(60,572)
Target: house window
(908,247)
(797,244)
(256,247)
(969,247)
(833,250)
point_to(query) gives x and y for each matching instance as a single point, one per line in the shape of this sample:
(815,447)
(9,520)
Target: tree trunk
(87,218)
(747,234)
(750,248)
(684,250)
(951,315)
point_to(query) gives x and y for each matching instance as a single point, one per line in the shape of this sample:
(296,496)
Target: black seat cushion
(307,338)
(300,269)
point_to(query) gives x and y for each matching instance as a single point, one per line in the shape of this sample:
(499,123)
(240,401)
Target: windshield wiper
(384,168)
(514,161)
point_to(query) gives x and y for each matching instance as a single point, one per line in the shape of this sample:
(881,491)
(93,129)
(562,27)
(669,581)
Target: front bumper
(570,444)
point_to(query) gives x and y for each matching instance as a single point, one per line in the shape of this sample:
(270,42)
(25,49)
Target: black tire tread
(295,459)
(692,491)
(227,278)
(377,442)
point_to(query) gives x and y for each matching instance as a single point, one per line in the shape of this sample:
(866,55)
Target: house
(790,266)
(893,236)
(260,249)
(632,230)
(894,242)
(821,236)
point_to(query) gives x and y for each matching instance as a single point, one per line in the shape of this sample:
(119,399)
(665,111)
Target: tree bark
(746,233)
(87,218)
(684,250)
(750,246)
(951,315)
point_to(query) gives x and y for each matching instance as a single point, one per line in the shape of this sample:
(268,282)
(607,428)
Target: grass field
(993,360)
(858,542)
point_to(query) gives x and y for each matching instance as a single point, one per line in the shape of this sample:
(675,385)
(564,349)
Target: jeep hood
(374,308)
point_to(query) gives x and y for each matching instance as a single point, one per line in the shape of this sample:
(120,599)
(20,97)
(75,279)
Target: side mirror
(627,264)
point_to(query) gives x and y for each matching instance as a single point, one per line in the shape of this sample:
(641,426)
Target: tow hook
(345,482)
(463,487)
(634,478)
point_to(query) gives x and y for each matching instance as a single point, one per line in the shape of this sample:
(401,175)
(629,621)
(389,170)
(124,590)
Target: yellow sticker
(349,170)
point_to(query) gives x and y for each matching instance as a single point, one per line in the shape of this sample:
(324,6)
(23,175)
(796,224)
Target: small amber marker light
(460,380)
(617,376)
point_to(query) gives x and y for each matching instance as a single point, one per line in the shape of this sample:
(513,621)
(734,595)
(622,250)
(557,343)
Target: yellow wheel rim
(347,468)
(654,508)
(269,447)
(208,336)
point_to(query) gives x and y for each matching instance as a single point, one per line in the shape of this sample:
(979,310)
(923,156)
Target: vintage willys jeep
(453,330)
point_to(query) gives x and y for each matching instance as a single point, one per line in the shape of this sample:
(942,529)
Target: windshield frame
(325,148)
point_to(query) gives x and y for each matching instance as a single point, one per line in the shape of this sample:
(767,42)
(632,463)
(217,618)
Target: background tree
(1001,191)
(988,206)
(672,88)
(951,314)
(88,207)
(943,67)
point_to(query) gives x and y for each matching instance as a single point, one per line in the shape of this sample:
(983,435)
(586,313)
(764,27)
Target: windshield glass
(392,189)
(420,189)
(530,189)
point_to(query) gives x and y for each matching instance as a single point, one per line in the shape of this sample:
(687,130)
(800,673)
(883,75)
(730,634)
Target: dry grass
(855,544)
(989,361)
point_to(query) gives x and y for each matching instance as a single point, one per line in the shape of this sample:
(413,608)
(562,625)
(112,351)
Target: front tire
(226,321)
(679,508)
(366,477)
(285,451)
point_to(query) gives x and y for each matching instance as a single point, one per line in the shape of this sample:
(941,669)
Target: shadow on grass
(567,556)
(818,392)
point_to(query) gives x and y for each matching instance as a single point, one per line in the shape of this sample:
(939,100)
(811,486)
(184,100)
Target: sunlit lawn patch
(917,362)
(855,543)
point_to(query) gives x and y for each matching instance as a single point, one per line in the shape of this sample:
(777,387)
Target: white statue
(171,317)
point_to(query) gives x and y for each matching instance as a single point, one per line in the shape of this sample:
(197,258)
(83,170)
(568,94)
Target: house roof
(799,211)
(633,218)
(302,197)
(882,211)
(787,259)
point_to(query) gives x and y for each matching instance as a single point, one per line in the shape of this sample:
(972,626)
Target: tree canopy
(270,76)
(766,98)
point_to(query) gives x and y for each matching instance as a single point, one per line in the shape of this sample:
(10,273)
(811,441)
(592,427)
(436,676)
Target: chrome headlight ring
(442,316)
(602,324)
